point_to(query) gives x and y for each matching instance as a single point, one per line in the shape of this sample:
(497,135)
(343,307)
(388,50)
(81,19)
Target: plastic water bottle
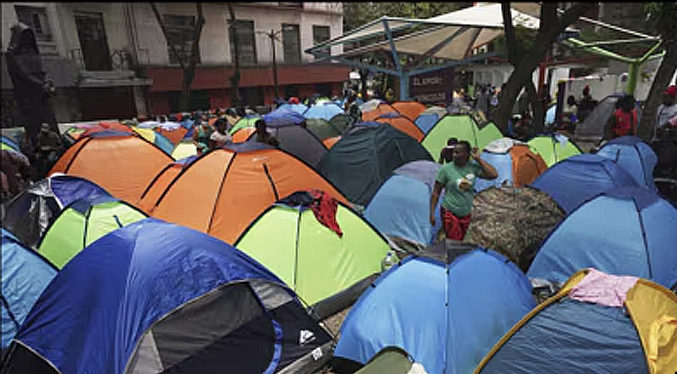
(388,261)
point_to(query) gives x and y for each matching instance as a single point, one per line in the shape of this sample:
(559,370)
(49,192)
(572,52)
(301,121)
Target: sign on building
(432,88)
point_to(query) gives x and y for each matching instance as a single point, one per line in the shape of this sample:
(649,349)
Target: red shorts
(454,227)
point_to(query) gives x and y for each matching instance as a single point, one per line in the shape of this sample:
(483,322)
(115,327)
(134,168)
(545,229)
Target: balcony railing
(120,59)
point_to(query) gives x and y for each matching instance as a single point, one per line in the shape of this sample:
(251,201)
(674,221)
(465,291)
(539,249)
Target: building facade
(113,60)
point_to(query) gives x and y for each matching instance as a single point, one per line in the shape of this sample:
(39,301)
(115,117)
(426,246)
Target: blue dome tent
(469,305)
(576,179)
(401,205)
(201,307)
(25,274)
(634,155)
(625,231)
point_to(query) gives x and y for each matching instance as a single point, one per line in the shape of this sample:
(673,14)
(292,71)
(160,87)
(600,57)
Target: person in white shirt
(666,110)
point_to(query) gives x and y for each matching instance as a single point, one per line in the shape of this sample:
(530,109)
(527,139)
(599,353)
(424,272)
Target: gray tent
(593,125)
(297,140)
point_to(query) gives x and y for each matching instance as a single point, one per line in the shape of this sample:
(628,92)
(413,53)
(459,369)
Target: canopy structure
(450,37)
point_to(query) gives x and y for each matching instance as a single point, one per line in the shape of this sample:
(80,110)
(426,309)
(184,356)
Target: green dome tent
(247,121)
(312,259)
(322,128)
(553,148)
(83,222)
(462,127)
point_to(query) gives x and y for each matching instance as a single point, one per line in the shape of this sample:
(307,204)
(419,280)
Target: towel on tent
(324,206)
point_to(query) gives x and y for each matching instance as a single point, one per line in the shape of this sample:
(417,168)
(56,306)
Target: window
(180,34)
(246,43)
(291,43)
(36,19)
(320,34)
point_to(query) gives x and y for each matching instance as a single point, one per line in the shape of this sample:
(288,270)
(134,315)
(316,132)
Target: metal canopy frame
(385,27)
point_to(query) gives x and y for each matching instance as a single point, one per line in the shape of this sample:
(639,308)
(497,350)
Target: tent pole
(404,86)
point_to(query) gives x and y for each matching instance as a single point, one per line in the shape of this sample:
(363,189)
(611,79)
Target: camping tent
(634,155)
(392,360)
(624,231)
(323,110)
(469,304)
(553,148)
(576,179)
(224,190)
(246,121)
(362,160)
(513,221)
(409,108)
(81,223)
(312,259)
(462,127)
(515,163)
(174,135)
(161,182)
(29,214)
(593,125)
(330,142)
(322,129)
(184,149)
(576,331)
(25,274)
(156,138)
(401,123)
(201,307)
(401,206)
(120,163)
(298,108)
(8,143)
(380,109)
(341,122)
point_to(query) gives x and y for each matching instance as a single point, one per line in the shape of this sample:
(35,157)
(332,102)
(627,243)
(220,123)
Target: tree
(662,16)
(551,26)
(235,78)
(188,69)
(516,46)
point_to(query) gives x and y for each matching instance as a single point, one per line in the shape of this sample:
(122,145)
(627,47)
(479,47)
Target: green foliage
(356,14)
(661,17)
(524,38)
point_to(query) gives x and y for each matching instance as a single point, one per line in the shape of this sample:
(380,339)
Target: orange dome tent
(403,124)
(329,142)
(107,126)
(241,135)
(223,191)
(122,164)
(174,136)
(161,182)
(409,109)
(381,109)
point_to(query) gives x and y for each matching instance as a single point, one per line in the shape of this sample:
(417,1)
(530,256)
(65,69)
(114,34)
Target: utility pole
(273,37)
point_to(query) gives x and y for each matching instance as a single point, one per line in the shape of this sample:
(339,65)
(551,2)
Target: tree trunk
(551,27)
(661,81)
(235,78)
(537,107)
(189,71)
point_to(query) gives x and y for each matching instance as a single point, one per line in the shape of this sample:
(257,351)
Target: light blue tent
(158,297)
(576,179)
(446,316)
(324,110)
(625,231)
(635,156)
(25,274)
(426,121)
(401,205)
(298,108)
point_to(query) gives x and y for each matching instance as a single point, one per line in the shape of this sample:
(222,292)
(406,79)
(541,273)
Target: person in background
(458,179)
(623,121)
(352,108)
(201,136)
(262,135)
(220,136)
(446,155)
(666,111)
(390,95)
(585,105)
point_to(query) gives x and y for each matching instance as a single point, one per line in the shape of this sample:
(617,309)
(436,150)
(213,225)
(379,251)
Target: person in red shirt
(623,120)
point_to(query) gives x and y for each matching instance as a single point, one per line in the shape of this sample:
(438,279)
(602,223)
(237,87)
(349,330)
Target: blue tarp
(468,306)
(502,162)
(576,179)
(572,337)
(629,231)
(90,318)
(635,156)
(324,110)
(25,274)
